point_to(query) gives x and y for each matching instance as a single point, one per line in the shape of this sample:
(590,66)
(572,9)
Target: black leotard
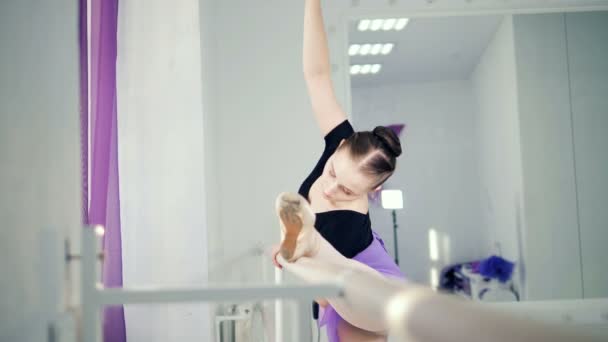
(348,231)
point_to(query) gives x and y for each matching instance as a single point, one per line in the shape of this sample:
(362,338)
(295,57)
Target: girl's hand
(275,251)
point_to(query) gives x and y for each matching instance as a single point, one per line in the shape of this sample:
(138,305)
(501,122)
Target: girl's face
(342,180)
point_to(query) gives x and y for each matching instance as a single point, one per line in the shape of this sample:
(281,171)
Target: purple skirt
(374,256)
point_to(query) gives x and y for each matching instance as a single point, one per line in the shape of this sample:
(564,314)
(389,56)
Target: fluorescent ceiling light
(375,68)
(387,48)
(377,24)
(389,24)
(364,69)
(401,24)
(364,24)
(370,49)
(365,49)
(376,49)
(382,24)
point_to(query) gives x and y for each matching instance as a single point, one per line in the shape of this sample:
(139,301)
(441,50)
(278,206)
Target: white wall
(437,171)
(498,146)
(587,39)
(552,253)
(40,165)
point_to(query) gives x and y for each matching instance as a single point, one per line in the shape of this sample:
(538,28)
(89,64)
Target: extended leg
(316,260)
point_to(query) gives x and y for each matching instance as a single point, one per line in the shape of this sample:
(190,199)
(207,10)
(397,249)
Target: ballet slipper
(297,220)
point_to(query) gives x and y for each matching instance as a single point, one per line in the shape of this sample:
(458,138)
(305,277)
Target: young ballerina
(352,165)
(304,246)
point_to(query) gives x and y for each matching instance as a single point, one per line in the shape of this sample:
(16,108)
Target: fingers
(275,250)
(322,302)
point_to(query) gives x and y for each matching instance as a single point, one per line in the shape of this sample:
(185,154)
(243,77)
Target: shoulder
(341,131)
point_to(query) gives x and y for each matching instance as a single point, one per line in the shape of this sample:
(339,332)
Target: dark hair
(380,148)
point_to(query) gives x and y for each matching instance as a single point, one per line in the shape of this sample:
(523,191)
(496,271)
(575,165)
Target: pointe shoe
(297,227)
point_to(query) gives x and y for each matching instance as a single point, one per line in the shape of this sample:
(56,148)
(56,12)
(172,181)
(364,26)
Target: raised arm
(317,71)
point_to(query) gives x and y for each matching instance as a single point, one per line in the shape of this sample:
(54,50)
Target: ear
(341,142)
(378,188)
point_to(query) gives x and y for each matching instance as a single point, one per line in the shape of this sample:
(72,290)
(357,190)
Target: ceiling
(426,50)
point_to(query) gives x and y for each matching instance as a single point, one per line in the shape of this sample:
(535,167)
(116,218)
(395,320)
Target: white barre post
(278,309)
(303,320)
(91,328)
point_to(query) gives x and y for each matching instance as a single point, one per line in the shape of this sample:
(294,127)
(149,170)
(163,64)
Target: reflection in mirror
(505,172)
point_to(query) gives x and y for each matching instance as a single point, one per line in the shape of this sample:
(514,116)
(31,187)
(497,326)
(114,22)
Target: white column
(161,164)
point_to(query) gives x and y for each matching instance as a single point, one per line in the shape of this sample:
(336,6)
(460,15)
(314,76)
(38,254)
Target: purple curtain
(104,208)
(84,108)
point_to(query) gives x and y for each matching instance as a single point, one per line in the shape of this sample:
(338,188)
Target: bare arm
(317,69)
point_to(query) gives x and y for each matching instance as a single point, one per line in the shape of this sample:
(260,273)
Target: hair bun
(389,140)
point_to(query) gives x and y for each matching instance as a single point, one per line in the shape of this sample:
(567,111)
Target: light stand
(393,200)
(395,236)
